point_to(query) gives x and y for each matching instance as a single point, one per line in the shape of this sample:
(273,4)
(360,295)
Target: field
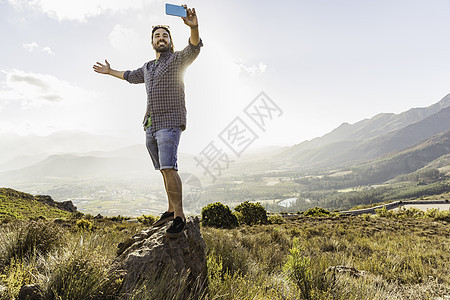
(394,256)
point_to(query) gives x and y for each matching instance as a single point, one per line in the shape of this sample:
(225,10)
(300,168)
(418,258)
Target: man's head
(161,39)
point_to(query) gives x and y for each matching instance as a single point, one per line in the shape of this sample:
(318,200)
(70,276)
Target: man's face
(161,40)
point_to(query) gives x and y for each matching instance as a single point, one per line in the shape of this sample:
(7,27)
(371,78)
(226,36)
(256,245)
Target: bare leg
(171,207)
(174,191)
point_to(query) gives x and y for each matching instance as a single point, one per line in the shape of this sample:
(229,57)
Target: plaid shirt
(165,87)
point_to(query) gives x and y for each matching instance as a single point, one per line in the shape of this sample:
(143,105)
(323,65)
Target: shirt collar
(165,55)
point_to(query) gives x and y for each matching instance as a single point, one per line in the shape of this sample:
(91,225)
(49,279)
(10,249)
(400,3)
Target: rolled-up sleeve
(135,76)
(190,53)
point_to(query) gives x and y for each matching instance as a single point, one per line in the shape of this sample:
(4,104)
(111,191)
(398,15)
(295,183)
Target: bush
(438,215)
(384,213)
(276,219)
(251,213)
(15,275)
(299,270)
(147,220)
(218,215)
(83,275)
(85,225)
(316,212)
(33,237)
(118,218)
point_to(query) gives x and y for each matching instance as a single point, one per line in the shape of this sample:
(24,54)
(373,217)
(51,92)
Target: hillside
(380,124)
(385,168)
(23,206)
(352,150)
(400,139)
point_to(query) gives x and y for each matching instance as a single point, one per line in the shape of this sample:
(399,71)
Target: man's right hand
(106,69)
(101,68)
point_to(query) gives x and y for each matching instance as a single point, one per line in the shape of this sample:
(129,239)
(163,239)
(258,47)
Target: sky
(318,63)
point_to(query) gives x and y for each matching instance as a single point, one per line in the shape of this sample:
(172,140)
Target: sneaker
(165,217)
(176,228)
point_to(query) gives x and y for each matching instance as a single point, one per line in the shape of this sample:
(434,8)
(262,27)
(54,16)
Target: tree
(218,215)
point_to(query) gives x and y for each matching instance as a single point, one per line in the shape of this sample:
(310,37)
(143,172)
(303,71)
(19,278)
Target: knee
(168,171)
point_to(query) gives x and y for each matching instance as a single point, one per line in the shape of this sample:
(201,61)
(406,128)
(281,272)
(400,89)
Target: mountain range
(371,138)
(18,151)
(77,155)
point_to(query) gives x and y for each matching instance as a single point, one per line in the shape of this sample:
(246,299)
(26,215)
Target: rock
(30,292)
(65,205)
(150,255)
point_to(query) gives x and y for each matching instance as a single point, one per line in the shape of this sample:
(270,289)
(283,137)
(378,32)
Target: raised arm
(192,21)
(106,69)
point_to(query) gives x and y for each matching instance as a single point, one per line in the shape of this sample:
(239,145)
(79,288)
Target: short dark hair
(166,28)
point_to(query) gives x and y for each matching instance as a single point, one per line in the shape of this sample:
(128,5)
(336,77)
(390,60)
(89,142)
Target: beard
(163,47)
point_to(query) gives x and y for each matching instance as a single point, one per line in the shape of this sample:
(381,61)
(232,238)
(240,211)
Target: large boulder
(150,257)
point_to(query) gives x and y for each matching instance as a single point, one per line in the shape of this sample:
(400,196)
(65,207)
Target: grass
(23,206)
(400,257)
(404,256)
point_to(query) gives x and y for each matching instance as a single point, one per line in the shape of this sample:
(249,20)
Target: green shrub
(298,269)
(316,212)
(83,275)
(218,215)
(384,213)
(85,225)
(411,212)
(77,215)
(365,217)
(234,257)
(147,220)
(15,275)
(438,215)
(118,218)
(27,239)
(251,213)
(276,219)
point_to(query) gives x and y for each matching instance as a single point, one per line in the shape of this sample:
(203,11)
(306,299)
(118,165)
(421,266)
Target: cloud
(34,46)
(35,90)
(251,71)
(77,10)
(31,46)
(48,50)
(121,38)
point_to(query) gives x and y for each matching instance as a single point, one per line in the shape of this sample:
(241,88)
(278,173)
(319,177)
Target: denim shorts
(163,146)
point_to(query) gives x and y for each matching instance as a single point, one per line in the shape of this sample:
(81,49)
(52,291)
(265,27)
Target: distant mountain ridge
(378,125)
(410,159)
(373,137)
(128,162)
(33,148)
(399,139)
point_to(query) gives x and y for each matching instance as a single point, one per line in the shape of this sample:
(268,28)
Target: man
(165,117)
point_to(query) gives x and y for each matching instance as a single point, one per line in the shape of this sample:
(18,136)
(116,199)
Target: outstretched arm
(192,21)
(106,69)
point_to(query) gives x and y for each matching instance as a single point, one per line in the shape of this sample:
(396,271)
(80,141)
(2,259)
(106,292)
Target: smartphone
(175,10)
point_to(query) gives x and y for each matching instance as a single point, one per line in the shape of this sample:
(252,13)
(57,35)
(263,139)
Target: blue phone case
(175,10)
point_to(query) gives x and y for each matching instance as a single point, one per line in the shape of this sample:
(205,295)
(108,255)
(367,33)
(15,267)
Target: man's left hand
(191,17)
